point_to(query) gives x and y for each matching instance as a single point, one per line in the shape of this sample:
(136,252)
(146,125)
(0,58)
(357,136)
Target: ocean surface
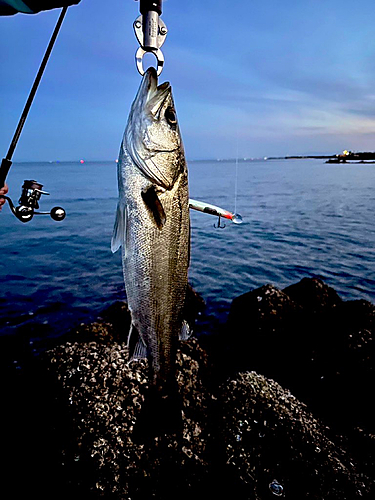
(302,218)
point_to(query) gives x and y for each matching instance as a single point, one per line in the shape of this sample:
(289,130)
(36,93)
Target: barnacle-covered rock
(310,340)
(70,412)
(105,394)
(271,443)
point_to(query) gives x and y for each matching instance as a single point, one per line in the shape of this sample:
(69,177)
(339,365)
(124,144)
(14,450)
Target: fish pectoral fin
(186,331)
(154,205)
(119,230)
(136,346)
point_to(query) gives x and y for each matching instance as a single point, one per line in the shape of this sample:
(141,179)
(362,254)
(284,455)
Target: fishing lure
(207,208)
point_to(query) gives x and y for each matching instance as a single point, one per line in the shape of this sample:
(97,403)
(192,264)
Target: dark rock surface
(313,343)
(69,413)
(273,444)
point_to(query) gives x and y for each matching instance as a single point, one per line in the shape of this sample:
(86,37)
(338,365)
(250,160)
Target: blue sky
(261,78)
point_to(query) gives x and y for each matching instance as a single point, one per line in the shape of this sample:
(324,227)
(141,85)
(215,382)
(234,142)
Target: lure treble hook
(219,226)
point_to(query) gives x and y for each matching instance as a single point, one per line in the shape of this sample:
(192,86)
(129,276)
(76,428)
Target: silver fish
(153,227)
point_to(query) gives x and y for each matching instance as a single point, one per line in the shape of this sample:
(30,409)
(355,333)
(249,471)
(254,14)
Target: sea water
(301,218)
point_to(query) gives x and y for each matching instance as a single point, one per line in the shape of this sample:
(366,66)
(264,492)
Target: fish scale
(153,228)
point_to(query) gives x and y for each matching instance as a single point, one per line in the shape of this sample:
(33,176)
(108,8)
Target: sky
(250,78)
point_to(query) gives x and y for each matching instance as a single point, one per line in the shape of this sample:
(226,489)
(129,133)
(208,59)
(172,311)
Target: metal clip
(151,33)
(139,60)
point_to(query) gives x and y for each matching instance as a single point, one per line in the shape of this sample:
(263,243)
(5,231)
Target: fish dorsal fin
(137,349)
(120,228)
(154,205)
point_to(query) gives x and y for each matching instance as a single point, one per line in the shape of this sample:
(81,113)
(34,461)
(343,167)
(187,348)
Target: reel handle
(56,213)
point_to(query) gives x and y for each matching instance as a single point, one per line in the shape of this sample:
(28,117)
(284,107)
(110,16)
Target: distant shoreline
(211,160)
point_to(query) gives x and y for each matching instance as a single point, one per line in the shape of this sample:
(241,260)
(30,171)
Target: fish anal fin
(136,346)
(140,350)
(154,205)
(185,332)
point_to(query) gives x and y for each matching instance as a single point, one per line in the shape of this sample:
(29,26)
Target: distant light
(116,161)
(81,161)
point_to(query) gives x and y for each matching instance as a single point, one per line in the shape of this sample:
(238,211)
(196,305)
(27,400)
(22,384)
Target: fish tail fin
(161,414)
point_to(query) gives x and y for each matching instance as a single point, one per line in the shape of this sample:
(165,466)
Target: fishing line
(236,176)
(236,218)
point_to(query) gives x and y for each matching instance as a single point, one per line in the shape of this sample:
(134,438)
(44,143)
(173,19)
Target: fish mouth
(150,93)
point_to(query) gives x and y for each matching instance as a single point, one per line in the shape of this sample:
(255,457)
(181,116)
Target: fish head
(152,136)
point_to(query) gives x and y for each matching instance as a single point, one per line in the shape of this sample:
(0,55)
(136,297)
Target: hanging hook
(219,226)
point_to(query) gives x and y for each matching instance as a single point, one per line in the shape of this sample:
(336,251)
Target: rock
(271,444)
(318,346)
(71,411)
(313,295)
(117,318)
(194,306)
(104,395)
(266,308)
(262,334)
(248,435)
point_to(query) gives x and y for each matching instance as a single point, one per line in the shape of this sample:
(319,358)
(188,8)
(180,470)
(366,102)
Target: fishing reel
(28,203)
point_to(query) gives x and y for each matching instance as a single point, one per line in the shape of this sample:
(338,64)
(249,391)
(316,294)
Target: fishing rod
(31,190)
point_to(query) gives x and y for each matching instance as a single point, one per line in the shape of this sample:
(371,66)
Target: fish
(152,228)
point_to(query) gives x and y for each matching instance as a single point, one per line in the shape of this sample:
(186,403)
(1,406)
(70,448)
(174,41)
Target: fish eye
(170,116)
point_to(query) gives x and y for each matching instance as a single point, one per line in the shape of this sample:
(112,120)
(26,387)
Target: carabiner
(151,32)
(139,60)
